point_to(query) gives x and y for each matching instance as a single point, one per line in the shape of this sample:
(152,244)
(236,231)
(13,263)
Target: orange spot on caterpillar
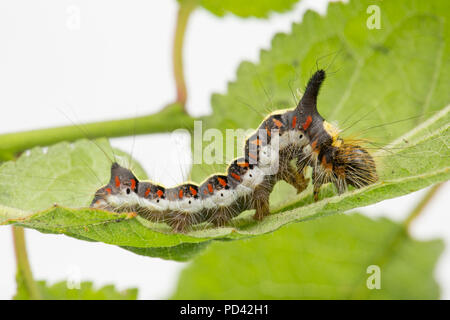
(325,164)
(210,188)
(294,122)
(268,131)
(253,156)
(117,181)
(205,192)
(243,164)
(108,190)
(133,184)
(314,144)
(147,192)
(237,177)
(278,123)
(193,191)
(159,193)
(180,194)
(222,182)
(307,123)
(131,215)
(256,142)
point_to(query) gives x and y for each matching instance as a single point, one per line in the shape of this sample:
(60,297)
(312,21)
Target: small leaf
(321,259)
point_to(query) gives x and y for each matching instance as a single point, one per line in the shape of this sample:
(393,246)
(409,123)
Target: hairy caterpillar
(299,135)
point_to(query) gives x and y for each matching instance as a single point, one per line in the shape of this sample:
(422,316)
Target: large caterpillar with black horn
(299,136)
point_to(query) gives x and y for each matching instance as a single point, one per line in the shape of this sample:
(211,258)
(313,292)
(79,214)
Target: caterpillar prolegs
(300,135)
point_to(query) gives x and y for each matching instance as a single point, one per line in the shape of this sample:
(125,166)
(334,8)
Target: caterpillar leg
(261,196)
(179,222)
(291,174)
(178,226)
(319,178)
(152,215)
(316,193)
(262,209)
(295,178)
(220,217)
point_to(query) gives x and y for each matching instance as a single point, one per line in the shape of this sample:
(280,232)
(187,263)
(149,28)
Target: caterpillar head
(354,164)
(120,192)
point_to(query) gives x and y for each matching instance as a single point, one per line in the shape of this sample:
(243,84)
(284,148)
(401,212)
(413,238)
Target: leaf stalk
(185,9)
(422,205)
(168,119)
(23,265)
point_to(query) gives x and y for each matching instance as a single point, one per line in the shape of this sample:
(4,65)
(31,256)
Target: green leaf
(85,291)
(321,259)
(181,252)
(68,175)
(247,8)
(382,86)
(375,76)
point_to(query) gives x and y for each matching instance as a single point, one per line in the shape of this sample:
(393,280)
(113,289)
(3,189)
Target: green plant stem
(421,205)
(23,265)
(184,12)
(168,119)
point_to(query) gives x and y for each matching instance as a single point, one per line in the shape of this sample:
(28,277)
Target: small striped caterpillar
(300,135)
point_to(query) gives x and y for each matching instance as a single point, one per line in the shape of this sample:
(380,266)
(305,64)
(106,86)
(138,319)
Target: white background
(118,64)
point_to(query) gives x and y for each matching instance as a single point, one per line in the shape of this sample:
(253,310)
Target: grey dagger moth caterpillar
(299,135)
